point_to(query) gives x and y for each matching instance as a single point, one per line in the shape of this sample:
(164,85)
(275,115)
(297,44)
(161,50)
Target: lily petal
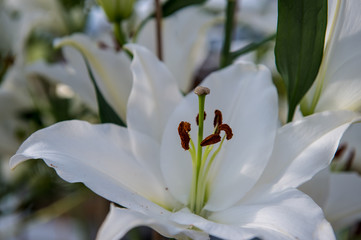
(343,206)
(184,44)
(127,219)
(318,188)
(100,156)
(290,214)
(249,104)
(154,95)
(110,69)
(339,74)
(314,142)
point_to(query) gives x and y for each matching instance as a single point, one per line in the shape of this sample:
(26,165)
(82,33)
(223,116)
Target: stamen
(211,139)
(218,119)
(227,129)
(197,118)
(183,129)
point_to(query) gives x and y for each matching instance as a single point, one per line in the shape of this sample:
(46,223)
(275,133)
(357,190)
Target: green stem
(159,40)
(228,29)
(119,34)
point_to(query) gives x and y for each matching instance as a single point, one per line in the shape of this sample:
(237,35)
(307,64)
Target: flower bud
(117,10)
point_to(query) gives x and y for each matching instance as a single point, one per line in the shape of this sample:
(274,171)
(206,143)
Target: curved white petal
(318,188)
(247,98)
(303,148)
(352,140)
(154,94)
(121,220)
(110,69)
(343,207)
(218,229)
(339,74)
(101,157)
(285,215)
(249,106)
(72,73)
(344,94)
(184,42)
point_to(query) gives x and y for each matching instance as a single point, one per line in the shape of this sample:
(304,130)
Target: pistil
(202,161)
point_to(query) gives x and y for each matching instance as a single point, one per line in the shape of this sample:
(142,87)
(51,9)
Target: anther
(183,129)
(211,139)
(202,91)
(227,129)
(204,118)
(218,119)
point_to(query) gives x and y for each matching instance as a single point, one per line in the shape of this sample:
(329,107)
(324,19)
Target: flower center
(202,161)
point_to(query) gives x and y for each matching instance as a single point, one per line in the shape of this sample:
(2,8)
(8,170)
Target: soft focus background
(41,85)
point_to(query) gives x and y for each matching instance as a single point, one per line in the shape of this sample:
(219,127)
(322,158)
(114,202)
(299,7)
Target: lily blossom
(234,176)
(338,83)
(111,68)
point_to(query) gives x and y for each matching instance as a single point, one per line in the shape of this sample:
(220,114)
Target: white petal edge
(120,220)
(343,207)
(110,70)
(154,94)
(101,157)
(314,142)
(290,214)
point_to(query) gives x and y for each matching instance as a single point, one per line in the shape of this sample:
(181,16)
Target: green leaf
(106,112)
(172,6)
(299,45)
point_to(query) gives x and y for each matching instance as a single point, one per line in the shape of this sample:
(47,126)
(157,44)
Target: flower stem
(158,14)
(228,27)
(119,34)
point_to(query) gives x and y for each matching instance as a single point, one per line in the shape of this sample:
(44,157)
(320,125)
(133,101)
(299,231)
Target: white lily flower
(183,54)
(248,189)
(338,83)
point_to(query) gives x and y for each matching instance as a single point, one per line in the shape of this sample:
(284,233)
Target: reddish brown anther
(204,118)
(211,139)
(227,129)
(183,129)
(218,119)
